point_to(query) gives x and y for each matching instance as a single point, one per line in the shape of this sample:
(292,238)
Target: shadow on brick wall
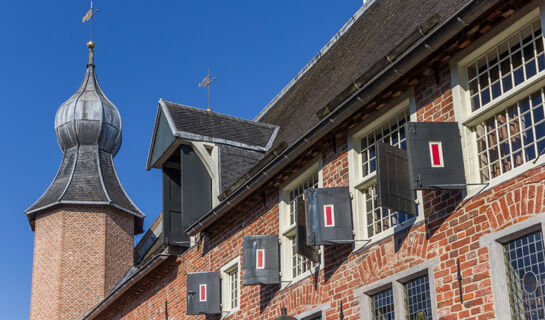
(334,256)
(438,206)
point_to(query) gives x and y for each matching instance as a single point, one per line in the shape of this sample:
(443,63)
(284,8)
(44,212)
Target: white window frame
(285,229)
(356,180)
(468,119)
(225,271)
(494,242)
(397,283)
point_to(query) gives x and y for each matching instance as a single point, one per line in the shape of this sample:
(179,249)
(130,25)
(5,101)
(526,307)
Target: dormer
(201,153)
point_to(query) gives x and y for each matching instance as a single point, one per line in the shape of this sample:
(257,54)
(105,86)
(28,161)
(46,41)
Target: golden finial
(90,45)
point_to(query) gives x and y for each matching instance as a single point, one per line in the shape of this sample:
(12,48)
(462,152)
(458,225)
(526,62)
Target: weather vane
(206,82)
(89,17)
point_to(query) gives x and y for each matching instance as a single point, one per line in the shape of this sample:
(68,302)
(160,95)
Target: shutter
(260,260)
(203,293)
(196,187)
(435,155)
(328,216)
(393,184)
(301,235)
(173,231)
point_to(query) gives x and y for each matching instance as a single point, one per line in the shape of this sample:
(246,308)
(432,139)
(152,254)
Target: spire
(88,127)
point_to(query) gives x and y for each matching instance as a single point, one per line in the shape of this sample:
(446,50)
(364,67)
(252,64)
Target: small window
(418,299)
(293,264)
(372,219)
(525,267)
(231,285)
(383,305)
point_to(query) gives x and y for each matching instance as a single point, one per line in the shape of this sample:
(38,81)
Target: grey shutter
(301,236)
(328,216)
(210,305)
(173,231)
(196,187)
(270,273)
(423,175)
(393,184)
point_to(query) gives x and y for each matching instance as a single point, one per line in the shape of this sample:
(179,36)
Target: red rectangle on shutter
(202,289)
(436,153)
(260,263)
(329,215)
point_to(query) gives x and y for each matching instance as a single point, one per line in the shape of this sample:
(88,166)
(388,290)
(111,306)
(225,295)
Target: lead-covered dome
(88,117)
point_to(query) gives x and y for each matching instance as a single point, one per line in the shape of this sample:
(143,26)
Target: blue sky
(144,51)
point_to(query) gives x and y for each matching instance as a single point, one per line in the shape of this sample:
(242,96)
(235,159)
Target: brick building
(454,91)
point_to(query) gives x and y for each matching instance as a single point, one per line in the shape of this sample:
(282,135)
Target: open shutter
(435,155)
(203,293)
(196,187)
(173,231)
(260,260)
(393,184)
(328,216)
(301,236)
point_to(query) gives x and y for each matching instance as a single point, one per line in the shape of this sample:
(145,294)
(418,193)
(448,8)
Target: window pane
(311,182)
(299,264)
(383,305)
(418,299)
(380,219)
(511,137)
(391,132)
(525,266)
(521,57)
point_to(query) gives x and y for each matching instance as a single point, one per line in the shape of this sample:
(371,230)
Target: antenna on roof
(206,82)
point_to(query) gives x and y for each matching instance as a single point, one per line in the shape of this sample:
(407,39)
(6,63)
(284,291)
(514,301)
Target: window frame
(225,272)
(397,283)
(468,119)
(287,230)
(358,182)
(319,311)
(495,243)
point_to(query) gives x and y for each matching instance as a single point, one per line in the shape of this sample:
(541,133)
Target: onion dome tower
(84,223)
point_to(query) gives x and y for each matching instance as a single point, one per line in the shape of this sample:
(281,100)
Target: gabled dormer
(201,153)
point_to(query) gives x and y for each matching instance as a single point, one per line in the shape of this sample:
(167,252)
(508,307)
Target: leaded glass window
(311,182)
(380,219)
(525,266)
(418,299)
(299,264)
(233,288)
(506,66)
(382,305)
(511,137)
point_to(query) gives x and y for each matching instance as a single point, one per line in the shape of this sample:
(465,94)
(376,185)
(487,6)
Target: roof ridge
(222,115)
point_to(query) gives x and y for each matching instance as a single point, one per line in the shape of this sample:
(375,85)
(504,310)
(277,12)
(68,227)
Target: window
(383,305)
(408,294)
(370,219)
(517,257)
(418,299)
(502,90)
(231,286)
(293,264)
(525,267)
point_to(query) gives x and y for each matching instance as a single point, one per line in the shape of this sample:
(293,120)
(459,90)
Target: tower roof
(88,128)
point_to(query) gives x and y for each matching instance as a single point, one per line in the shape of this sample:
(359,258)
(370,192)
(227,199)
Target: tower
(84,224)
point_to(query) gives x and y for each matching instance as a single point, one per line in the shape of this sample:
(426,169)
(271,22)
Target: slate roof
(184,123)
(86,176)
(234,163)
(198,124)
(372,33)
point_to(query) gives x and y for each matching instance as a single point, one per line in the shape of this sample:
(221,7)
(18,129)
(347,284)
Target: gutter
(113,295)
(396,68)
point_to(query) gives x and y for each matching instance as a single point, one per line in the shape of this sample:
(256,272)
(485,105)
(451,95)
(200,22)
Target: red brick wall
(80,254)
